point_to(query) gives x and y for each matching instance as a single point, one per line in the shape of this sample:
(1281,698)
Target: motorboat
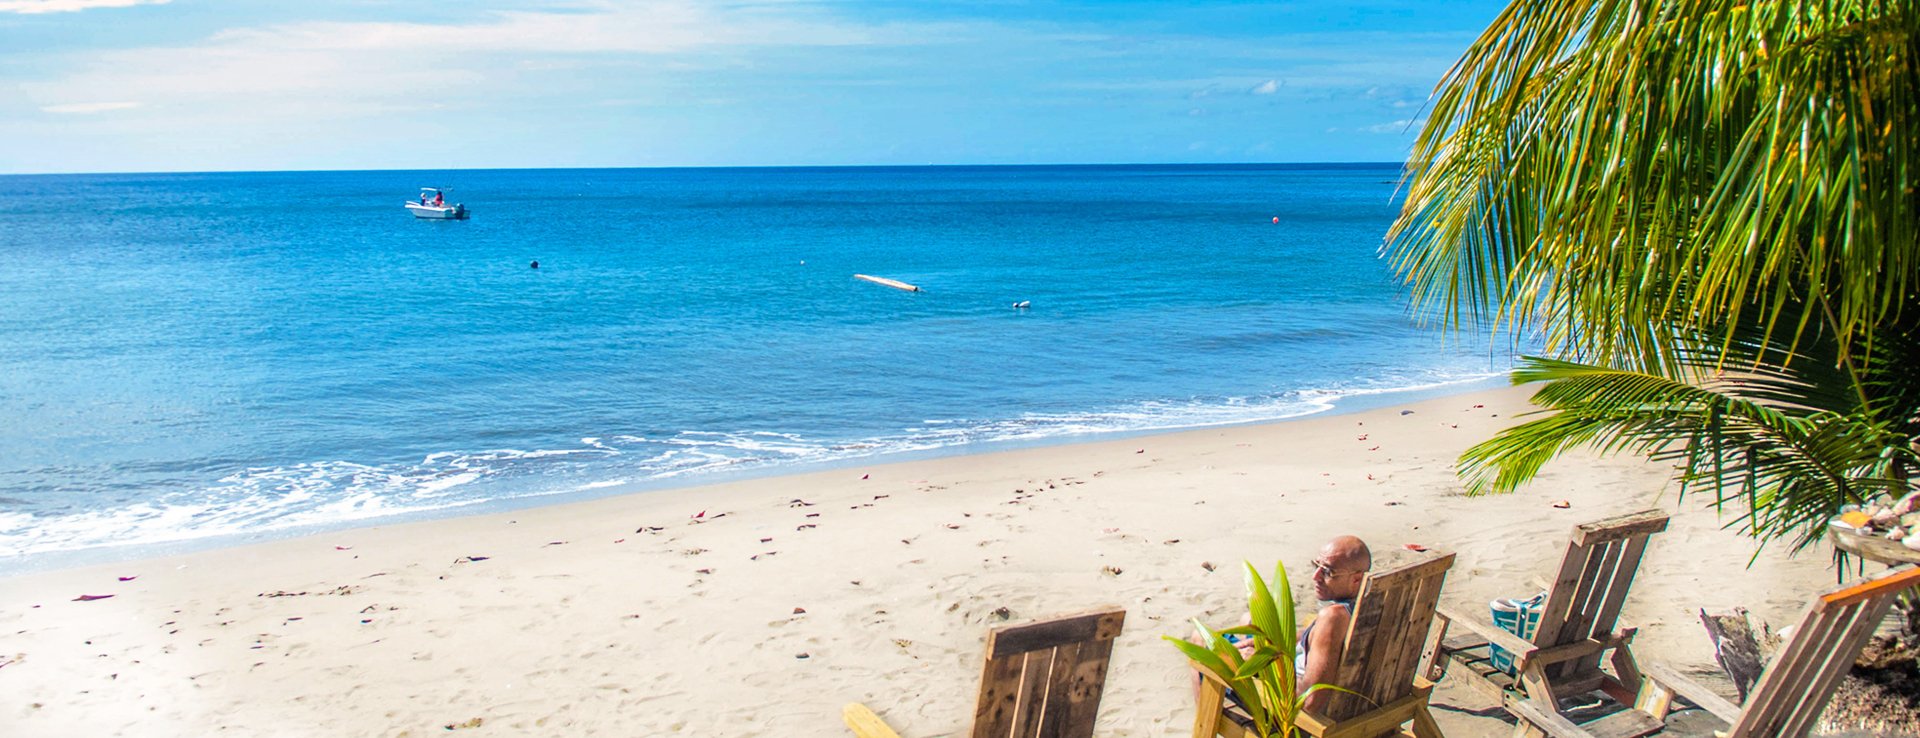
(432,206)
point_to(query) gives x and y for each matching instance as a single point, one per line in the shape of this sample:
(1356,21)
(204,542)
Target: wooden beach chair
(1042,678)
(1562,659)
(1796,686)
(1381,664)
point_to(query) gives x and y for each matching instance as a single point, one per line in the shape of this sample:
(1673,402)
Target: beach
(761,607)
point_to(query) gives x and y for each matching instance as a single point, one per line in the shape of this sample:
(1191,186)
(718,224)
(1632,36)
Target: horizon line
(727,166)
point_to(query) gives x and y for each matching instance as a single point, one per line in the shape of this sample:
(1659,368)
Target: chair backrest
(1585,596)
(1043,679)
(1796,686)
(1391,617)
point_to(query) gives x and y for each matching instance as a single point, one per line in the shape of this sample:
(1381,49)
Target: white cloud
(334,69)
(87,108)
(1398,126)
(32,7)
(1266,88)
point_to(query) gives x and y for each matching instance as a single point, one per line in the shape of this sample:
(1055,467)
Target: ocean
(197,358)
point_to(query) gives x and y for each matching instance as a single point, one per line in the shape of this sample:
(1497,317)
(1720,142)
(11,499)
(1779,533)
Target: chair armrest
(864,723)
(1679,684)
(1520,647)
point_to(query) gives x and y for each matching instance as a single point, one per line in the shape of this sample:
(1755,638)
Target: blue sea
(216,357)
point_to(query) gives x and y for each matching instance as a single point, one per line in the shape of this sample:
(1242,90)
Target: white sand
(637,616)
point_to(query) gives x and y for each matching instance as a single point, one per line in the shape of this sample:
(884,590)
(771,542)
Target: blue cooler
(1519,617)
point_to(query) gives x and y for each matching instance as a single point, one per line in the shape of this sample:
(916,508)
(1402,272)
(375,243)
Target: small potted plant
(1264,679)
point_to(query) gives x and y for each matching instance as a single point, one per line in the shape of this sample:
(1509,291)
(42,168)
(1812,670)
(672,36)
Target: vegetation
(1705,213)
(1265,679)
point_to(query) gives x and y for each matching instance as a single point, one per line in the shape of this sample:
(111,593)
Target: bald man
(1337,573)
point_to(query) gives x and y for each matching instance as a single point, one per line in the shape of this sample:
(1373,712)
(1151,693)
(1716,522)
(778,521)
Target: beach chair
(1381,664)
(1796,686)
(1576,628)
(1042,678)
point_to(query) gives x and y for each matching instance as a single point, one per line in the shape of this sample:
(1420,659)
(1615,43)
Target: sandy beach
(759,608)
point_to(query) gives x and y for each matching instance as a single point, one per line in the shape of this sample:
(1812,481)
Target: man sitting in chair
(1337,573)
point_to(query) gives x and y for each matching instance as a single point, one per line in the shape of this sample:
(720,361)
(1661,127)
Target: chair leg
(1434,656)
(1210,700)
(1527,730)
(1424,726)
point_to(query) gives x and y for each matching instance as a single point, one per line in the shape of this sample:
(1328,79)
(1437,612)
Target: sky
(249,85)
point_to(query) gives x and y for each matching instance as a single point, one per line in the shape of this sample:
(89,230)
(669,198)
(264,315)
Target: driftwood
(1743,651)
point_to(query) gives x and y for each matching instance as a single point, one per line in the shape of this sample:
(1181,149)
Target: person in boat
(438,201)
(423,198)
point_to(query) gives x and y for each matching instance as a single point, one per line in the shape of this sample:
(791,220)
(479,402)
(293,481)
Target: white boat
(432,206)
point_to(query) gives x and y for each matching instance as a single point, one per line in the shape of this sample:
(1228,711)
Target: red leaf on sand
(1141,451)
(343,548)
(90,598)
(129,579)
(864,476)
(1415,547)
(1563,504)
(700,514)
(619,540)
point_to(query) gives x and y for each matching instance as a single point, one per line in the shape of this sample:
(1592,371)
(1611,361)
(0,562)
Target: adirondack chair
(1796,686)
(1380,663)
(1042,679)
(1576,628)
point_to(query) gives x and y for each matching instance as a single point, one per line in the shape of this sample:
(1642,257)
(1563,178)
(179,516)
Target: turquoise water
(199,355)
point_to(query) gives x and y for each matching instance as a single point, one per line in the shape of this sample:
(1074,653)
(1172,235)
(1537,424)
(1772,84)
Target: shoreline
(652,613)
(1351,401)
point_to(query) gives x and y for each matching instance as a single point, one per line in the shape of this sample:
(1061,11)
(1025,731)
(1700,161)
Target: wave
(323,494)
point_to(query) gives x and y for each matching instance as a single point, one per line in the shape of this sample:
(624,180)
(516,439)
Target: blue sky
(215,85)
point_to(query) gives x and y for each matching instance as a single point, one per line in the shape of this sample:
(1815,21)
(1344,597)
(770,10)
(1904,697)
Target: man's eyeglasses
(1324,569)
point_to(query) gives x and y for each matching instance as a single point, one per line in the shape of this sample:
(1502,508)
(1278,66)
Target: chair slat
(1839,660)
(999,696)
(1035,676)
(1645,522)
(1007,640)
(1783,686)
(1560,593)
(1089,680)
(1059,703)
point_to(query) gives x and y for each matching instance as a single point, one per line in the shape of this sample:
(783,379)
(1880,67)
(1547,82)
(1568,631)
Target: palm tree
(1704,211)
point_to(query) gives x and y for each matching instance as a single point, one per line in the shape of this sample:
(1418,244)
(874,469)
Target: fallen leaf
(129,579)
(1415,547)
(1563,504)
(799,611)
(90,598)
(1208,565)
(343,548)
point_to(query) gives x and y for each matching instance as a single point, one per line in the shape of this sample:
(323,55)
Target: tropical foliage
(1264,680)
(1705,212)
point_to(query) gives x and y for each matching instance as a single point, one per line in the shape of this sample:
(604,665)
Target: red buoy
(1276,220)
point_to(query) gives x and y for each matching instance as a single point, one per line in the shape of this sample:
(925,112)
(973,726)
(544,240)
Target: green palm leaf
(1706,209)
